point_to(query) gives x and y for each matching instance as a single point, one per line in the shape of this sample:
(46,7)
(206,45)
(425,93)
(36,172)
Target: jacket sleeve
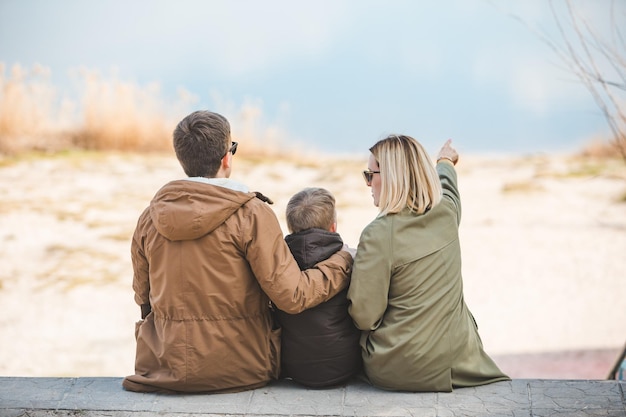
(278,273)
(448,178)
(371,277)
(141,278)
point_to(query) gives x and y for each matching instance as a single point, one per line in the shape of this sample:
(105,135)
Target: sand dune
(543,240)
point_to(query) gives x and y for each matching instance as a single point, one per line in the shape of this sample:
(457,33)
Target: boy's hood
(313,245)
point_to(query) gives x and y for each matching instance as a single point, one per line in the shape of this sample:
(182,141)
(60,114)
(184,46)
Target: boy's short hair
(200,141)
(311,208)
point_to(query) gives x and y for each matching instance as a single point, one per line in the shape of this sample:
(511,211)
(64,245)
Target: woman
(406,291)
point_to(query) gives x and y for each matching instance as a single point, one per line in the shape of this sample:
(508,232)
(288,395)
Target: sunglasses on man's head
(368,175)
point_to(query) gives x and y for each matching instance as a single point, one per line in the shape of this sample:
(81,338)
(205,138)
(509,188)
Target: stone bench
(20,396)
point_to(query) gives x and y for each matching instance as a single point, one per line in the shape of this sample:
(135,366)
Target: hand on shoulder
(351,251)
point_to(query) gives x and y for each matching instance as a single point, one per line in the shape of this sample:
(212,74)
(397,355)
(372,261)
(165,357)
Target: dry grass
(37,120)
(601,149)
(528,186)
(105,113)
(109,114)
(71,267)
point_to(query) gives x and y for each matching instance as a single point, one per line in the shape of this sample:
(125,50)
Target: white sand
(544,263)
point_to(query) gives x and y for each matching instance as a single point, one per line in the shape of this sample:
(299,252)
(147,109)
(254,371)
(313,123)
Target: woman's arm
(371,276)
(446,160)
(447,176)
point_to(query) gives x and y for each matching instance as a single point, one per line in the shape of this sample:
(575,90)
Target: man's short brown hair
(200,141)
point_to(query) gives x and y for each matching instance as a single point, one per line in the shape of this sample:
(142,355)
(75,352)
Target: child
(320,346)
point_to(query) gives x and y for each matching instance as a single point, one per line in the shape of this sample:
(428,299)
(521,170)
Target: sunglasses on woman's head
(368,175)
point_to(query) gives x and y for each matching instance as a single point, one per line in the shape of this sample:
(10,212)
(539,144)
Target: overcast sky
(333,74)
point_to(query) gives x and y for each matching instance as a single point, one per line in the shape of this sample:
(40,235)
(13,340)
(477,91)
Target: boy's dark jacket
(320,346)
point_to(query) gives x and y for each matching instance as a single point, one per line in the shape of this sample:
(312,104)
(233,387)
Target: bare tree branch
(581,54)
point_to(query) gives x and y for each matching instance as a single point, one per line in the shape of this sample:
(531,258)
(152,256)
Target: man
(208,256)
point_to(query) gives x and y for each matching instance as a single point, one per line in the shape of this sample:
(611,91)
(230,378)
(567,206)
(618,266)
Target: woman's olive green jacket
(406,296)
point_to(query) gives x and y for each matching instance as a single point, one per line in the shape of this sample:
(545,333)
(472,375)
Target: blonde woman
(406,291)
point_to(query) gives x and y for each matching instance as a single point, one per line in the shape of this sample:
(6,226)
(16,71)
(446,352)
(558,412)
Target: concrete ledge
(105,397)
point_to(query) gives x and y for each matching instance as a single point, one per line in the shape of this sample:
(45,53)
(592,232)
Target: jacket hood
(187,210)
(312,246)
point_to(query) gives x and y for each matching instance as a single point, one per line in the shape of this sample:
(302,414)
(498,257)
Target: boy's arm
(369,287)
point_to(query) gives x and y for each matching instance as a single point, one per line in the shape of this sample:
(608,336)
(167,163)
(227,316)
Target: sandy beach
(543,240)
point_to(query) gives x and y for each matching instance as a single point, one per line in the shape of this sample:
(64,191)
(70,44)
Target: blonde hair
(311,208)
(408,177)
